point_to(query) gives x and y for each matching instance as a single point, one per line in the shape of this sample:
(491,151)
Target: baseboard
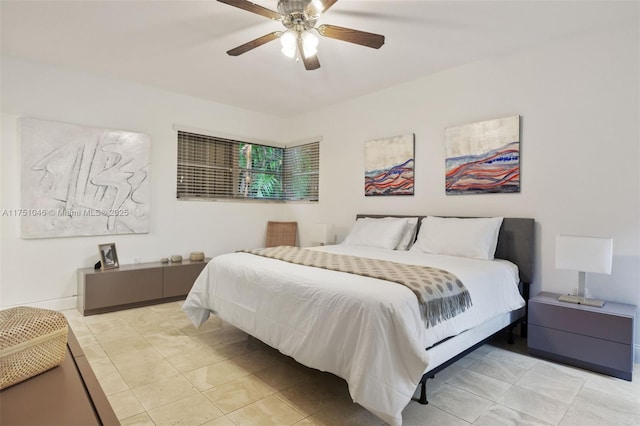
(53,304)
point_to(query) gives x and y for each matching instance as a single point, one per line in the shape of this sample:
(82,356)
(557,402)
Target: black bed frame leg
(423,391)
(510,336)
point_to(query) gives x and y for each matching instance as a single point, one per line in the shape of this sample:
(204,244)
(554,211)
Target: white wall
(43,271)
(579,103)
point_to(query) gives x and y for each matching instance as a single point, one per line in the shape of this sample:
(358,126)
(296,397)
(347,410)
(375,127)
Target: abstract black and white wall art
(80,181)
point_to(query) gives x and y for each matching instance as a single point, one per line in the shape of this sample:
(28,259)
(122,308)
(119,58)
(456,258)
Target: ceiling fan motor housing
(286,7)
(295,16)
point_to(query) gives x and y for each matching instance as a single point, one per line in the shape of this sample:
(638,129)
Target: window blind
(301,172)
(218,168)
(203,167)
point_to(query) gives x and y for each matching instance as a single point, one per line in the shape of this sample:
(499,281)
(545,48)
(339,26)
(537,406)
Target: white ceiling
(180,45)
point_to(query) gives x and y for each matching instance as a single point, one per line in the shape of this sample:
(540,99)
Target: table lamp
(583,254)
(322,233)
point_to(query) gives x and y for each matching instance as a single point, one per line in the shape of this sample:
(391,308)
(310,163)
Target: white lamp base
(581,301)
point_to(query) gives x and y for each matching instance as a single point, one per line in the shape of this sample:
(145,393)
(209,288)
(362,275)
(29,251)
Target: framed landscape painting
(483,157)
(389,166)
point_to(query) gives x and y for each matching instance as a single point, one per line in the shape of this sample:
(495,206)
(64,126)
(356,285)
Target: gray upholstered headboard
(515,242)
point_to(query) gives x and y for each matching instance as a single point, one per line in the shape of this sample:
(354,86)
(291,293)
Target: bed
(387,346)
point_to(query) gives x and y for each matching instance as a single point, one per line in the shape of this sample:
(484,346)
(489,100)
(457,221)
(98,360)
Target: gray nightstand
(598,339)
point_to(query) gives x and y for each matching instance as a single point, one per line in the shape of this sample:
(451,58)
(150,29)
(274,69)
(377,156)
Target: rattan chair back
(281,233)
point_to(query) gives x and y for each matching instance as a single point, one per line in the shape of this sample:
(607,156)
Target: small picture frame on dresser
(108,256)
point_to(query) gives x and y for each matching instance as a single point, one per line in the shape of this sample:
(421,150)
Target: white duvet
(368,331)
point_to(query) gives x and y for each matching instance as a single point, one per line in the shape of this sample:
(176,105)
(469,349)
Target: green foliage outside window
(261,171)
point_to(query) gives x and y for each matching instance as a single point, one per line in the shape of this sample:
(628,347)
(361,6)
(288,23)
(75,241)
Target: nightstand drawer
(583,348)
(600,355)
(577,319)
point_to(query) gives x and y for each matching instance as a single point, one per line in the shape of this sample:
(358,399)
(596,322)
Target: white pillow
(474,237)
(383,233)
(409,234)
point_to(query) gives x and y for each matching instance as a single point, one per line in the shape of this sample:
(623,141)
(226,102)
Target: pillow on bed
(409,234)
(474,237)
(385,232)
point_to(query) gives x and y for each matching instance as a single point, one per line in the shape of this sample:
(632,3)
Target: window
(300,172)
(217,168)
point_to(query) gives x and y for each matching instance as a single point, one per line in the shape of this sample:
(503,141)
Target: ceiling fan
(299,17)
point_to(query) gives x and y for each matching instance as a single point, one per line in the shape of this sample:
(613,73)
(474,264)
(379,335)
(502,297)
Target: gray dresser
(135,285)
(598,339)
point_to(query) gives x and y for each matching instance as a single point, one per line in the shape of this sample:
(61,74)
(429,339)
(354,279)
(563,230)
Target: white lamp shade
(322,233)
(584,254)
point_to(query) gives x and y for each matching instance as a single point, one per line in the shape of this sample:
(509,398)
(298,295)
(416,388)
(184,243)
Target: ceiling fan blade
(255,8)
(352,36)
(327,4)
(316,7)
(243,48)
(311,63)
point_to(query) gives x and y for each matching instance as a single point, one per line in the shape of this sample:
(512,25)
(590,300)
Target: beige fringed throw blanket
(440,293)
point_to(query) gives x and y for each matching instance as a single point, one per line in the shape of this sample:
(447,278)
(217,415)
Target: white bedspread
(365,330)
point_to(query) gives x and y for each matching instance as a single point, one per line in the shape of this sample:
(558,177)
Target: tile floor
(157,369)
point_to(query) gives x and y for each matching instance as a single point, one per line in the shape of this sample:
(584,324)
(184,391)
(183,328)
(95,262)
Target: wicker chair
(281,233)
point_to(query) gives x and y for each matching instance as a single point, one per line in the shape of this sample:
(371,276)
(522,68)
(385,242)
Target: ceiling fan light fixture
(288,40)
(309,44)
(300,41)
